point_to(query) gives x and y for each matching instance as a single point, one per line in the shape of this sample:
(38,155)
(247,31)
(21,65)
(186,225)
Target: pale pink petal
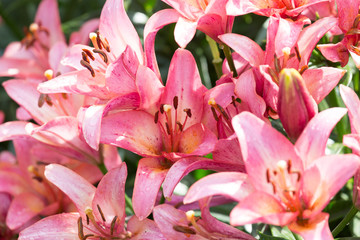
(262,147)
(237,7)
(183,166)
(335,52)
(80,191)
(311,35)
(23,208)
(228,150)
(48,16)
(91,121)
(20,68)
(56,53)
(12,182)
(145,229)
(184,31)
(57,227)
(116,26)
(15,129)
(22,114)
(149,88)
(352,141)
(82,36)
(245,47)
(111,156)
(109,196)
(348,11)
(355,58)
(234,185)
(352,103)
(132,130)
(317,228)
(184,82)
(261,207)
(157,21)
(149,176)
(321,81)
(312,142)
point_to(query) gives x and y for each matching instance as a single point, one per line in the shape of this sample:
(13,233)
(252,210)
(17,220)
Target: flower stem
(350,215)
(229,59)
(217,60)
(128,203)
(102,168)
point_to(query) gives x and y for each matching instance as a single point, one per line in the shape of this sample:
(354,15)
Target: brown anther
(102,54)
(112,226)
(268,175)
(233,98)
(214,114)
(298,175)
(88,66)
(88,53)
(184,229)
(41,100)
(226,116)
(162,108)
(303,69)
(167,128)
(289,165)
(180,126)
(175,102)
(98,40)
(85,57)
(64,95)
(101,213)
(87,220)
(102,43)
(80,228)
(274,76)
(275,172)
(188,112)
(353,31)
(48,100)
(356,21)
(355,49)
(277,64)
(156,118)
(38,178)
(88,236)
(298,55)
(274,187)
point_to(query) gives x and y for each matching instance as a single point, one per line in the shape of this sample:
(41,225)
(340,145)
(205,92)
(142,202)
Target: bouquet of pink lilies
(270,127)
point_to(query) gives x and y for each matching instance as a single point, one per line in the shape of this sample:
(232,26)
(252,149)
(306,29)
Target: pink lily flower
(349,25)
(169,134)
(101,210)
(284,8)
(279,186)
(288,46)
(176,224)
(352,140)
(208,16)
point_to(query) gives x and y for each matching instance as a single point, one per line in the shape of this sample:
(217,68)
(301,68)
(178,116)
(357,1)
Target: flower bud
(295,104)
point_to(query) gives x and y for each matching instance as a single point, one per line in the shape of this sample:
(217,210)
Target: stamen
(168,128)
(211,102)
(184,229)
(162,108)
(34,27)
(88,53)
(64,95)
(303,69)
(180,126)
(167,108)
(112,226)
(101,213)
(188,112)
(102,54)
(289,163)
(353,31)
(93,38)
(49,74)
(48,100)
(274,76)
(85,57)
(221,109)
(356,21)
(156,119)
(88,236)
(88,66)
(298,55)
(87,220)
(277,64)
(41,100)
(80,228)
(268,175)
(175,102)
(214,114)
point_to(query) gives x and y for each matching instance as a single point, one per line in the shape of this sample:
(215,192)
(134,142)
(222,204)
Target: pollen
(167,108)
(190,215)
(212,102)
(49,74)
(34,27)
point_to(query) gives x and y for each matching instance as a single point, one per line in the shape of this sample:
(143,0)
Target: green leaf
(267,237)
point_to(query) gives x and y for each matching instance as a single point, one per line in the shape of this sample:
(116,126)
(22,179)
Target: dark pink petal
(82,36)
(184,31)
(228,150)
(149,88)
(157,21)
(352,103)
(109,196)
(80,191)
(184,82)
(5,200)
(12,183)
(116,26)
(311,35)
(23,208)
(316,228)
(145,229)
(247,48)
(335,52)
(234,185)
(262,147)
(261,207)
(48,16)
(183,166)
(150,175)
(132,130)
(57,227)
(321,81)
(312,142)
(212,24)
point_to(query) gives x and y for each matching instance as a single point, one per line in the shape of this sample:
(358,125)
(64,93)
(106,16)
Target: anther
(268,175)
(156,119)
(112,226)
(80,228)
(64,95)
(41,100)
(211,102)
(188,112)
(49,74)
(88,66)
(180,126)
(93,38)
(226,116)
(289,166)
(87,220)
(102,54)
(88,53)
(48,100)
(214,114)
(34,27)
(98,40)
(167,108)
(162,108)
(277,64)
(101,213)
(175,102)
(167,128)
(282,165)
(303,69)
(88,236)
(233,102)
(85,57)
(298,55)
(274,76)
(184,229)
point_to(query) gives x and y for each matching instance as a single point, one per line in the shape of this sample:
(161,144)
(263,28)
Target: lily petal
(352,103)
